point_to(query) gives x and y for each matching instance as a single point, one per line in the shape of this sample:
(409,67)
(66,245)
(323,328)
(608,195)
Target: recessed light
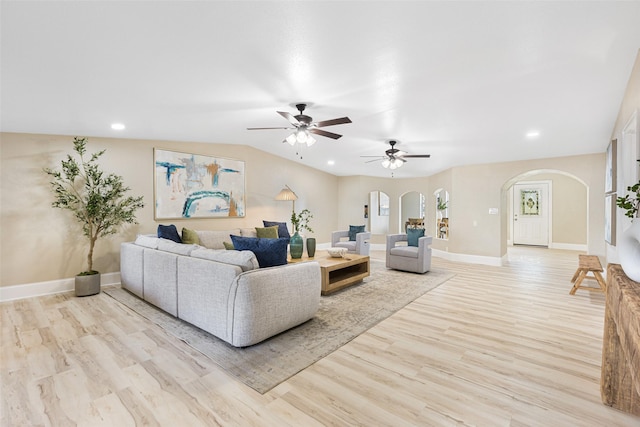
(533,134)
(117,126)
(331,163)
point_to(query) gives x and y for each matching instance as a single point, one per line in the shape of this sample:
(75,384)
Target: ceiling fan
(304,126)
(395,158)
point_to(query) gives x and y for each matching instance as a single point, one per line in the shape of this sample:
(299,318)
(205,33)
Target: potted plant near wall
(97,201)
(629,245)
(300,222)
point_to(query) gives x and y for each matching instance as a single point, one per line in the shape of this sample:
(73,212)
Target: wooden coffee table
(338,273)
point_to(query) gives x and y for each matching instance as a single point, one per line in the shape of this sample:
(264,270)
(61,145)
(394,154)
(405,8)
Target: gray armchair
(360,246)
(416,259)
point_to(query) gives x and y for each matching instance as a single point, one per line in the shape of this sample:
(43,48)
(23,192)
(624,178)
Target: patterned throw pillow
(353,230)
(269,252)
(267,232)
(169,232)
(283,231)
(413,234)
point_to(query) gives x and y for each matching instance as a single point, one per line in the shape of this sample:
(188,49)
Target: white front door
(531,214)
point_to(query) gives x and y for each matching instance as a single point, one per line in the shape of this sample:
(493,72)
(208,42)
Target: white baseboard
(568,246)
(470,259)
(29,290)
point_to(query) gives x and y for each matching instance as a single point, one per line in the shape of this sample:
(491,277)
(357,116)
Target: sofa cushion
(283,231)
(270,252)
(267,232)
(247,232)
(413,234)
(167,245)
(406,251)
(213,239)
(351,246)
(190,236)
(147,240)
(355,229)
(246,260)
(169,232)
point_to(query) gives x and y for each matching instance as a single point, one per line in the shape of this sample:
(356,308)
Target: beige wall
(354,192)
(40,243)
(629,109)
(473,190)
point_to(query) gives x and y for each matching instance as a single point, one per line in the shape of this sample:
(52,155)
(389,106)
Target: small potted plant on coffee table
(300,222)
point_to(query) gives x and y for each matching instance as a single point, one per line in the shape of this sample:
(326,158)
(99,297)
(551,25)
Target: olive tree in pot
(97,201)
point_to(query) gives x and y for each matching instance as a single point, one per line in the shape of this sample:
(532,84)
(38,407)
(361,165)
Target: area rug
(342,316)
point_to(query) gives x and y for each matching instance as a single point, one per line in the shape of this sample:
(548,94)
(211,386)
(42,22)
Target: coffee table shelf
(338,273)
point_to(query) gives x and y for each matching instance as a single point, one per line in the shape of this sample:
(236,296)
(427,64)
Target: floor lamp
(287,194)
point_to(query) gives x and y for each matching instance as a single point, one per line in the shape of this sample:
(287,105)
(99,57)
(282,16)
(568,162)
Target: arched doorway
(568,204)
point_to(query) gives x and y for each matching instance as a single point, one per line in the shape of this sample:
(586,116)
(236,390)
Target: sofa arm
(362,243)
(337,235)
(424,242)
(267,301)
(392,239)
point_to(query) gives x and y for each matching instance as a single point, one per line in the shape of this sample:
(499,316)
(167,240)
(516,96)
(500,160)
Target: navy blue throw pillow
(283,231)
(413,234)
(169,232)
(353,230)
(269,252)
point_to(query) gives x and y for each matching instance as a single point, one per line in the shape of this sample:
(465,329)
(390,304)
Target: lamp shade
(287,194)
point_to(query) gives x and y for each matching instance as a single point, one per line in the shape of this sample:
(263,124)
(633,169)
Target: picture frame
(611,167)
(188,185)
(610,218)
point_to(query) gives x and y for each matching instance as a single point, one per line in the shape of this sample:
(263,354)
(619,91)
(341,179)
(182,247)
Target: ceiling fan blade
(268,128)
(418,156)
(340,121)
(374,160)
(380,157)
(325,133)
(289,117)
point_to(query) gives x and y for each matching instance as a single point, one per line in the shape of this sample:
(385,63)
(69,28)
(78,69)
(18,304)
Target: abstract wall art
(197,186)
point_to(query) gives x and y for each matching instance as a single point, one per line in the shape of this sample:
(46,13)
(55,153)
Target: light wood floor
(494,346)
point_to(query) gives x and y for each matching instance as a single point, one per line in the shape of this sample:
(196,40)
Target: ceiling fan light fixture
(398,162)
(302,135)
(386,163)
(291,139)
(310,140)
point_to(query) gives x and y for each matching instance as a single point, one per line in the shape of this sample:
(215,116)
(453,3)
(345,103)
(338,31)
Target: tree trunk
(92,243)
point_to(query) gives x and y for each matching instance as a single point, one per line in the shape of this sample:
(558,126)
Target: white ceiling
(463,81)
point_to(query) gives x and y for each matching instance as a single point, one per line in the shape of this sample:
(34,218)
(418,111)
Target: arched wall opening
(570,209)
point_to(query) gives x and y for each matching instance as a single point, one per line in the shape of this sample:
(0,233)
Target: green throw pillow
(229,246)
(267,232)
(190,237)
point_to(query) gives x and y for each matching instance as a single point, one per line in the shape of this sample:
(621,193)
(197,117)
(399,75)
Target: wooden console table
(620,379)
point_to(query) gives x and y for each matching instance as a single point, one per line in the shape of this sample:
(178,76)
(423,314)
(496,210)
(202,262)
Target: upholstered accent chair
(416,259)
(360,246)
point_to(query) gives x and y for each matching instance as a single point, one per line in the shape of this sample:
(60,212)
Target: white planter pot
(629,251)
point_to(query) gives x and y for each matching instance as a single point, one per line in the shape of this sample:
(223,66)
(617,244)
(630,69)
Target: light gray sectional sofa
(223,292)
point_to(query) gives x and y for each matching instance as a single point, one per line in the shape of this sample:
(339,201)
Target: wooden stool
(588,263)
